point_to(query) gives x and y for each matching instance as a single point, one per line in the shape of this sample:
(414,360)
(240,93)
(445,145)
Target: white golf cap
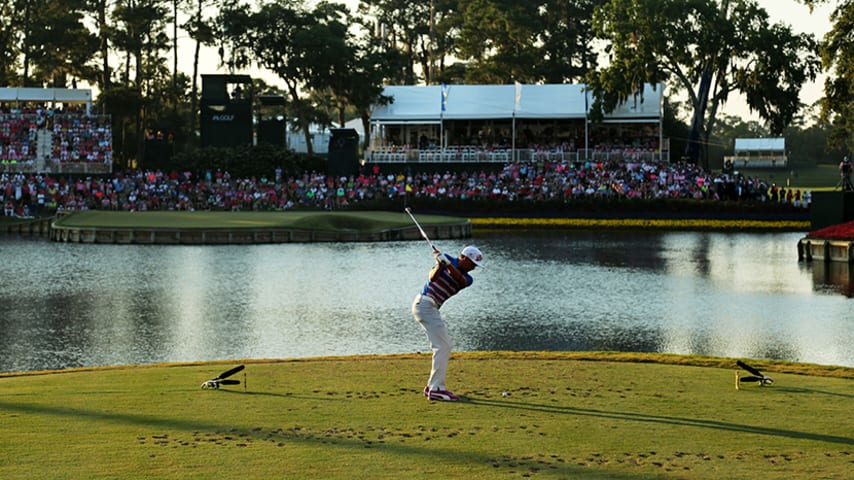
(474,254)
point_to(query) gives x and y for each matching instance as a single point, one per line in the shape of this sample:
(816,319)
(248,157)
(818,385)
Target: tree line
(332,62)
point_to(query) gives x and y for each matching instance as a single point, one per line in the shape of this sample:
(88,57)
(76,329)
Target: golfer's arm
(434,273)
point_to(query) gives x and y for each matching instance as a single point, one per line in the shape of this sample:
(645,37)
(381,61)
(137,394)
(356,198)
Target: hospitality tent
(758,152)
(438,104)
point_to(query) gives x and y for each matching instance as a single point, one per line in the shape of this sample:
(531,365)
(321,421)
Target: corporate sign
(228,125)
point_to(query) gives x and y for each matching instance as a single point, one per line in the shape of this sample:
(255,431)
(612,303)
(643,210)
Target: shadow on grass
(813,392)
(282,395)
(431,456)
(666,420)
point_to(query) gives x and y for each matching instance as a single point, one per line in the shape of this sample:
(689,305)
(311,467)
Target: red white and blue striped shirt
(444,286)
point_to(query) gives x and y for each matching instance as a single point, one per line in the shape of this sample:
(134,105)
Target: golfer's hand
(441,258)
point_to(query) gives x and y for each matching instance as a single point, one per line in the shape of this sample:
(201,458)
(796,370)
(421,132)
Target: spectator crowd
(82,138)
(547,174)
(23,194)
(71,136)
(18,135)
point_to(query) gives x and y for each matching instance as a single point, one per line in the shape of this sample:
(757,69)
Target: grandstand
(52,130)
(513,123)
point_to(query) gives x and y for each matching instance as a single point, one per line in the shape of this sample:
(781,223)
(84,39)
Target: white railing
(471,154)
(765,161)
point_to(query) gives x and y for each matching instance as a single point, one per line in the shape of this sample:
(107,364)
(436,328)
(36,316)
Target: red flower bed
(841,231)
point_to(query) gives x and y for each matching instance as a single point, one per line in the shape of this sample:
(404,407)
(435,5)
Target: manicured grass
(374,221)
(811,177)
(12,220)
(362,221)
(607,416)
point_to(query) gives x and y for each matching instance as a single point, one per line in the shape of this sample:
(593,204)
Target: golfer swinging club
(449,276)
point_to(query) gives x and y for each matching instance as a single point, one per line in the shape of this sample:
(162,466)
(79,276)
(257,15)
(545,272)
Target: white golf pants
(427,314)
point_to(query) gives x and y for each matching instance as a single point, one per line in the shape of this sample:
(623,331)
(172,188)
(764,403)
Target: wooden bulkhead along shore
(818,249)
(37,227)
(248,236)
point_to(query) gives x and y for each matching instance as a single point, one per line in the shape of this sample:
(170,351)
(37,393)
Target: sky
(789,12)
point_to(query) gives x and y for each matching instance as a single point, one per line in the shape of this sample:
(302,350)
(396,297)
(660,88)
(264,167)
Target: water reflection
(732,295)
(833,276)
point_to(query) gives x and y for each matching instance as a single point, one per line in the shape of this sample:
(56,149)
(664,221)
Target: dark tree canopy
(837,58)
(332,63)
(707,49)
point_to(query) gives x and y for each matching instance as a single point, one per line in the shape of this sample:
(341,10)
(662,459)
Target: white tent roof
(760,144)
(648,105)
(424,104)
(65,95)
(550,101)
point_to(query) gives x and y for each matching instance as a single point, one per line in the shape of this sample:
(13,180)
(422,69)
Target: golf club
(423,233)
(220,379)
(757,375)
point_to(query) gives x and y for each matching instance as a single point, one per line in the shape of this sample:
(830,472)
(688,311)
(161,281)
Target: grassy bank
(806,177)
(363,221)
(614,416)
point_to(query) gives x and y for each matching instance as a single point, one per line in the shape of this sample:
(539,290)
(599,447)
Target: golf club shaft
(423,233)
(749,368)
(231,372)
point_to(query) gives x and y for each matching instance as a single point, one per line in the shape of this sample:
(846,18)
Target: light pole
(431,67)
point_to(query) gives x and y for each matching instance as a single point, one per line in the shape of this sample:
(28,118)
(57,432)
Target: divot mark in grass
(526,466)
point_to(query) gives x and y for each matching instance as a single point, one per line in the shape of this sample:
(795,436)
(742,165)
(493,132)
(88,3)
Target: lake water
(722,294)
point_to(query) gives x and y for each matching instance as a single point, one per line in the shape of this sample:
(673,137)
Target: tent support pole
(513,141)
